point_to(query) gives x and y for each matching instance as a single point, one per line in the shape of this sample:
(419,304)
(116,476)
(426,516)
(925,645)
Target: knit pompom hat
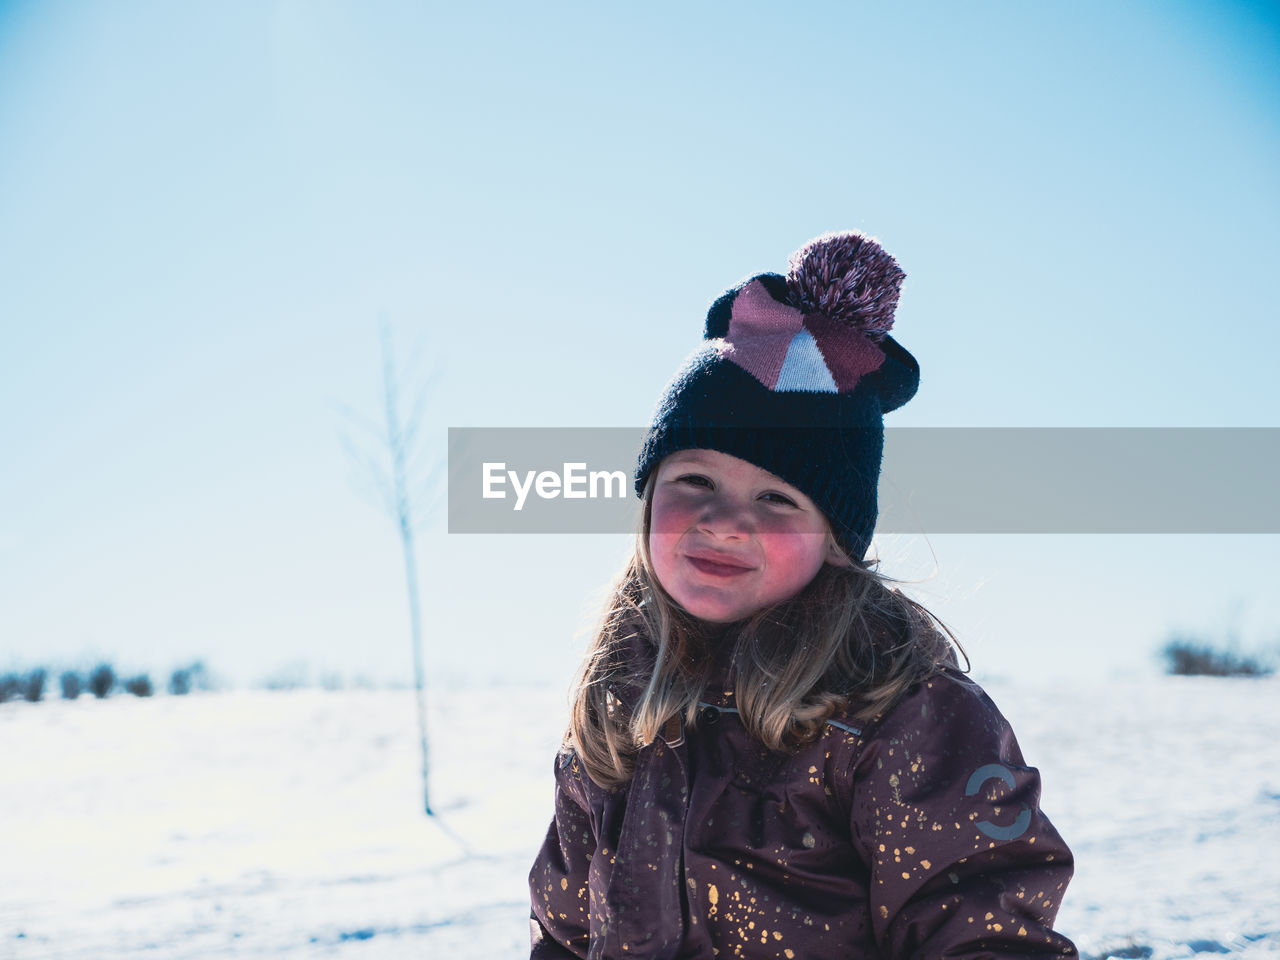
(795,376)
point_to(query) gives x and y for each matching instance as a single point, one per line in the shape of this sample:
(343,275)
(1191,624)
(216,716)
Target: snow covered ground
(287,824)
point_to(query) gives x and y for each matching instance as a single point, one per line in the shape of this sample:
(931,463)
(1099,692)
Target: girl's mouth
(717,569)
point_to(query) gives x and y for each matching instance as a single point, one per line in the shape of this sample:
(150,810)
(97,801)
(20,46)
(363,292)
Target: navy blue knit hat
(795,376)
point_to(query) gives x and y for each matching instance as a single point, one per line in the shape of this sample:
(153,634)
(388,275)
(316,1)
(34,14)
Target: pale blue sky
(205,208)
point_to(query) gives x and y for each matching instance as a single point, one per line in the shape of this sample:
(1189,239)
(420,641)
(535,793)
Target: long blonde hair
(848,638)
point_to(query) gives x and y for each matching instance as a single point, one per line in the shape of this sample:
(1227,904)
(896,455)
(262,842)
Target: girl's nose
(725,518)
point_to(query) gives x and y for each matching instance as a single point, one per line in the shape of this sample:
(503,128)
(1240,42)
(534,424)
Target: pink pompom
(849,278)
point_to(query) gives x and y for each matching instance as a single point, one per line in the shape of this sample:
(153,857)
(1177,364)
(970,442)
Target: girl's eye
(778,498)
(694,479)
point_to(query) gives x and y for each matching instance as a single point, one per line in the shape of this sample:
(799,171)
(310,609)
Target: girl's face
(727,538)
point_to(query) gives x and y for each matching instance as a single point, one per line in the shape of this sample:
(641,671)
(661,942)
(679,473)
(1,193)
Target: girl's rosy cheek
(795,550)
(670,517)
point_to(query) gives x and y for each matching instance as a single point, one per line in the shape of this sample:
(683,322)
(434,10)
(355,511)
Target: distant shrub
(102,680)
(10,687)
(180,682)
(72,684)
(194,676)
(33,685)
(1189,657)
(290,676)
(139,686)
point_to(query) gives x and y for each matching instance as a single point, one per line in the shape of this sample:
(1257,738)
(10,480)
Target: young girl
(773,754)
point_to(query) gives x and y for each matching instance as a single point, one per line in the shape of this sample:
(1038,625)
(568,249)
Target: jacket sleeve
(947,816)
(560,919)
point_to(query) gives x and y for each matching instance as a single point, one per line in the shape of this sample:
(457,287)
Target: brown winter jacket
(916,835)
